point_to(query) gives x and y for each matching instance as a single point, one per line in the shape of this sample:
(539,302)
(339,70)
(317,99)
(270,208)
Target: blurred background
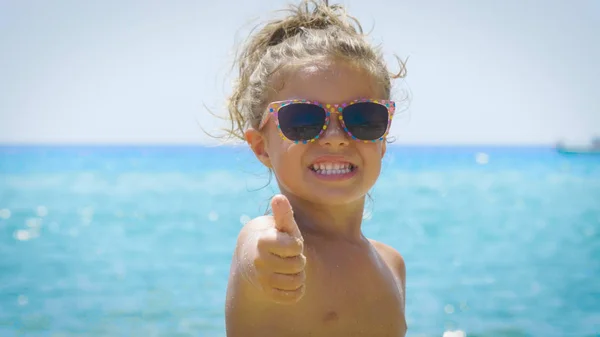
(118,215)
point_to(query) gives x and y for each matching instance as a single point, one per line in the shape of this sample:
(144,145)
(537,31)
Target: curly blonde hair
(311,30)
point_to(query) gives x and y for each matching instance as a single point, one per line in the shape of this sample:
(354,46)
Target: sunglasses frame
(274,107)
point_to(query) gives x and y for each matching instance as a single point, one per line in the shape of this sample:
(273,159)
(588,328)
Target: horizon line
(240,144)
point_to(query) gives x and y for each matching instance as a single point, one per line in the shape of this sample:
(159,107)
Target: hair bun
(303,18)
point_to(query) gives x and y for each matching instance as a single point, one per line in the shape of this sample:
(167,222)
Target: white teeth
(332,168)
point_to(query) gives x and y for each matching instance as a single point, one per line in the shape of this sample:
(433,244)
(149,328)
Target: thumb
(284,216)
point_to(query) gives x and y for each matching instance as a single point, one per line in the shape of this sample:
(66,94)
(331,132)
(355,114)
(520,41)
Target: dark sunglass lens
(301,121)
(366,120)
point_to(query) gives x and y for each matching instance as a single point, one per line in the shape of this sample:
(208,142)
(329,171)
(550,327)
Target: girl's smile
(333,168)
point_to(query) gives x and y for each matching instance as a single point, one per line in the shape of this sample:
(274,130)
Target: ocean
(137,241)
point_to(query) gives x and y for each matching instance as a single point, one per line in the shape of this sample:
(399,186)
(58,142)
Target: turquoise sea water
(136,241)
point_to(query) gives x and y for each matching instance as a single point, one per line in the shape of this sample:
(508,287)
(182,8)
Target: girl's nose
(334,135)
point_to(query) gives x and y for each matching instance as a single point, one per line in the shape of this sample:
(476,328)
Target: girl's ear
(258,143)
(383,148)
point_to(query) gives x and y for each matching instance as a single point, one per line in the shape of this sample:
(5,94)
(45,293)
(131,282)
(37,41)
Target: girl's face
(301,169)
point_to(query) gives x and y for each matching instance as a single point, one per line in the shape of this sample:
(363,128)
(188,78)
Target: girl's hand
(279,262)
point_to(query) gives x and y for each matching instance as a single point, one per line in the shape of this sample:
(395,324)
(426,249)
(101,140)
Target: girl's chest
(352,292)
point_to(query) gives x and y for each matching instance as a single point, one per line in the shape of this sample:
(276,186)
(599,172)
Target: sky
(147,72)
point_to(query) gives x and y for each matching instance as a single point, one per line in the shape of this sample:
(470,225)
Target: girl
(313,103)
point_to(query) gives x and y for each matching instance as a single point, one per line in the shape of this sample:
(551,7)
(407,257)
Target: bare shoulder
(255,225)
(242,261)
(393,259)
(260,222)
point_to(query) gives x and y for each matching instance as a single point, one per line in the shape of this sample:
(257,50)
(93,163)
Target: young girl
(312,102)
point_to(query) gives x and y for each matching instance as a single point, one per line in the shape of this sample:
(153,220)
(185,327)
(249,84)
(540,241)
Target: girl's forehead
(327,70)
(327,81)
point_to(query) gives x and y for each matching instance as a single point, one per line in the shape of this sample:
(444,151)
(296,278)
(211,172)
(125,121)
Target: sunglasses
(303,121)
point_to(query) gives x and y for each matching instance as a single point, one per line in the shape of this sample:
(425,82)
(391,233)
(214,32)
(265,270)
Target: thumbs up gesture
(279,264)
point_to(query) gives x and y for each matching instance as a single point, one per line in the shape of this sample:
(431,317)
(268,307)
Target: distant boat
(592,148)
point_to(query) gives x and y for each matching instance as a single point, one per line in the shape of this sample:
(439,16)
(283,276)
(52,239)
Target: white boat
(592,148)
